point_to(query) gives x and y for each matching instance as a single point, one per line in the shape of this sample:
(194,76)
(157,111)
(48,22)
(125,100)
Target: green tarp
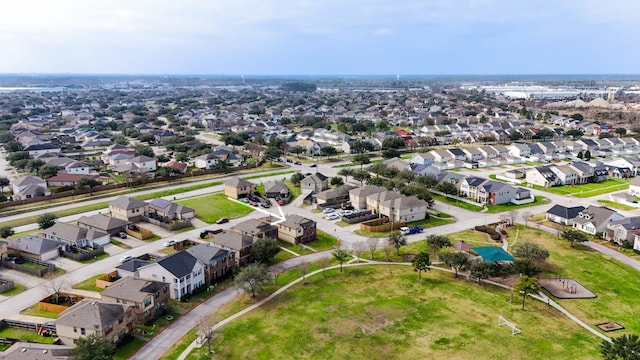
(492,253)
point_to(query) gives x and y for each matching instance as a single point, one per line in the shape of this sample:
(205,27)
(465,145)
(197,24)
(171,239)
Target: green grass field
(615,284)
(210,208)
(492,209)
(590,189)
(25,335)
(615,205)
(385,313)
(89,284)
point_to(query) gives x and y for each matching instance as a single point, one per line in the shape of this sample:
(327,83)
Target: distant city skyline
(329,37)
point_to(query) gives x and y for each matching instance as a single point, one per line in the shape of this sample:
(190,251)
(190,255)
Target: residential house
(472,154)
(542,176)
(469,186)
(338,195)
(72,235)
(422,159)
(442,155)
(520,150)
(42,148)
(34,247)
(218,263)
(28,187)
(404,208)
(147,298)
(130,268)
(128,208)
(634,187)
(566,174)
(30,351)
(358,196)
(167,210)
(104,223)
(314,183)
(628,162)
(563,214)
(211,160)
(144,163)
(112,322)
(237,188)
(623,231)
(183,271)
(79,167)
(237,243)
(399,164)
(274,188)
(297,229)
(497,193)
(257,228)
(594,219)
(375,199)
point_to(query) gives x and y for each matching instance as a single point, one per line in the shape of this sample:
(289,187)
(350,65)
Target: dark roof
(474,181)
(179,264)
(457,152)
(629,223)
(207,253)
(132,265)
(565,212)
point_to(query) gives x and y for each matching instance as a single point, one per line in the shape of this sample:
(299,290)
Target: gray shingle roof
(102,222)
(133,289)
(236,182)
(72,233)
(33,244)
(232,240)
(179,264)
(125,202)
(207,253)
(91,314)
(293,221)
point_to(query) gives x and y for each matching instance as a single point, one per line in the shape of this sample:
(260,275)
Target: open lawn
(126,350)
(615,205)
(590,189)
(442,219)
(324,241)
(89,284)
(34,311)
(385,313)
(539,200)
(210,208)
(615,284)
(17,289)
(457,203)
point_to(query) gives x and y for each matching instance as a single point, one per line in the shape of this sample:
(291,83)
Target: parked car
(222,221)
(298,163)
(253,203)
(411,230)
(347,212)
(289,160)
(280,202)
(265,205)
(245,200)
(347,207)
(170,243)
(122,235)
(313,165)
(333,216)
(328,210)
(126,258)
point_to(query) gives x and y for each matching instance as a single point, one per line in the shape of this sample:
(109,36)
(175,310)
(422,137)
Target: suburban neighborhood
(133,214)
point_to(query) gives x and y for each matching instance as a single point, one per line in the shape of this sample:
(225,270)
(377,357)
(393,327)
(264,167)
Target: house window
(75,329)
(82,331)
(147,302)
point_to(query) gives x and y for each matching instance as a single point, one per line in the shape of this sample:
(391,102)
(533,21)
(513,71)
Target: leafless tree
(55,285)
(513,215)
(526,215)
(206,330)
(324,264)
(304,270)
(388,248)
(372,244)
(358,248)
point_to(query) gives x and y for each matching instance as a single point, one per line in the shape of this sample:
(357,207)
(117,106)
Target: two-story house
(28,187)
(148,298)
(594,219)
(624,230)
(237,188)
(237,243)
(218,263)
(314,183)
(128,208)
(112,322)
(404,208)
(183,271)
(297,229)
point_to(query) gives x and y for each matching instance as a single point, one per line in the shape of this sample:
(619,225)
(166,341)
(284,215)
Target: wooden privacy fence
(380,225)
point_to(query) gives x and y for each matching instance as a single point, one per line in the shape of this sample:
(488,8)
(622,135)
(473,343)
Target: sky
(320,37)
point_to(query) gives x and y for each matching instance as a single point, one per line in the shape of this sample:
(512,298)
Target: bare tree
(304,268)
(526,215)
(372,244)
(388,248)
(324,264)
(55,285)
(358,248)
(513,215)
(207,330)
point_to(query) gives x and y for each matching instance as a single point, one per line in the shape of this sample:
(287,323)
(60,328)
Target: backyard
(588,190)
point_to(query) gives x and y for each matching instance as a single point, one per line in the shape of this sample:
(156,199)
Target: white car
(347,212)
(126,258)
(333,217)
(328,210)
(170,243)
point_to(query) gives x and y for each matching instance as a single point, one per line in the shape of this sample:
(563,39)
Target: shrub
(493,234)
